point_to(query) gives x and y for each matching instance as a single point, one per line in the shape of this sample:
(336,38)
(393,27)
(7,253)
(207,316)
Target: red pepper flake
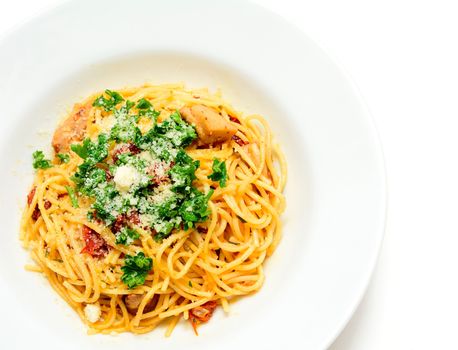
(201,229)
(47,204)
(239,141)
(31,195)
(95,244)
(234,119)
(36,213)
(201,314)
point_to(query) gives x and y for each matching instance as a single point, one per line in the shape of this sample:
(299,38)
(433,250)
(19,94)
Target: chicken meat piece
(211,127)
(133,301)
(72,129)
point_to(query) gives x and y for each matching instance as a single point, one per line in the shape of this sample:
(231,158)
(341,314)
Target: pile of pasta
(193,271)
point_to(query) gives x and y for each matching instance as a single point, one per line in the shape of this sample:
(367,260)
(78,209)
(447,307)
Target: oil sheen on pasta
(159,203)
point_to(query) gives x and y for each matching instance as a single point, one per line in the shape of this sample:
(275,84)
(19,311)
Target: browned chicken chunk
(133,301)
(72,129)
(211,127)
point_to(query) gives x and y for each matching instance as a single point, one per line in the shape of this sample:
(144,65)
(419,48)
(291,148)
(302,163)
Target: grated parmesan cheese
(125,177)
(161,194)
(92,312)
(106,123)
(146,156)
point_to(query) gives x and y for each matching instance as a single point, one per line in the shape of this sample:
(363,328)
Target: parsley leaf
(82,150)
(136,268)
(109,103)
(125,129)
(126,236)
(90,181)
(179,132)
(64,158)
(195,208)
(183,172)
(129,104)
(219,172)
(143,104)
(105,205)
(146,110)
(92,152)
(39,161)
(72,195)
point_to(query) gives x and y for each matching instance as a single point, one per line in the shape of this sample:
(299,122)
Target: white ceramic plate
(335,193)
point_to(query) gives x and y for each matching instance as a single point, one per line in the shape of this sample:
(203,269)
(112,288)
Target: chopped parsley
(143,104)
(183,172)
(135,269)
(179,132)
(195,208)
(126,236)
(39,161)
(108,104)
(149,173)
(72,195)
(125,129)
(219,172)
(92,152)
(145,109)
(64,157)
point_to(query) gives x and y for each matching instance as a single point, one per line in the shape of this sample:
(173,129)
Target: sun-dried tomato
(239,141)
(31,195)
(95,244)
(119,223)
(127,148)
(36,213)
(201,314)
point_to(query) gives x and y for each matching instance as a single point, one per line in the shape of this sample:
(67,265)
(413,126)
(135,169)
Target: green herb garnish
(109,103)
(64,158)
(143,104)
(39,161)
(219,172)
(183,172)
(135,269)
(195,208)
(126,236)
(72,195)
(179,132)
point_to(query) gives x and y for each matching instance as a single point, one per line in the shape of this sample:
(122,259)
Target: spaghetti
(119,266)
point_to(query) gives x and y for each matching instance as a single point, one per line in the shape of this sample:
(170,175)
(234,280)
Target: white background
(403,55)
